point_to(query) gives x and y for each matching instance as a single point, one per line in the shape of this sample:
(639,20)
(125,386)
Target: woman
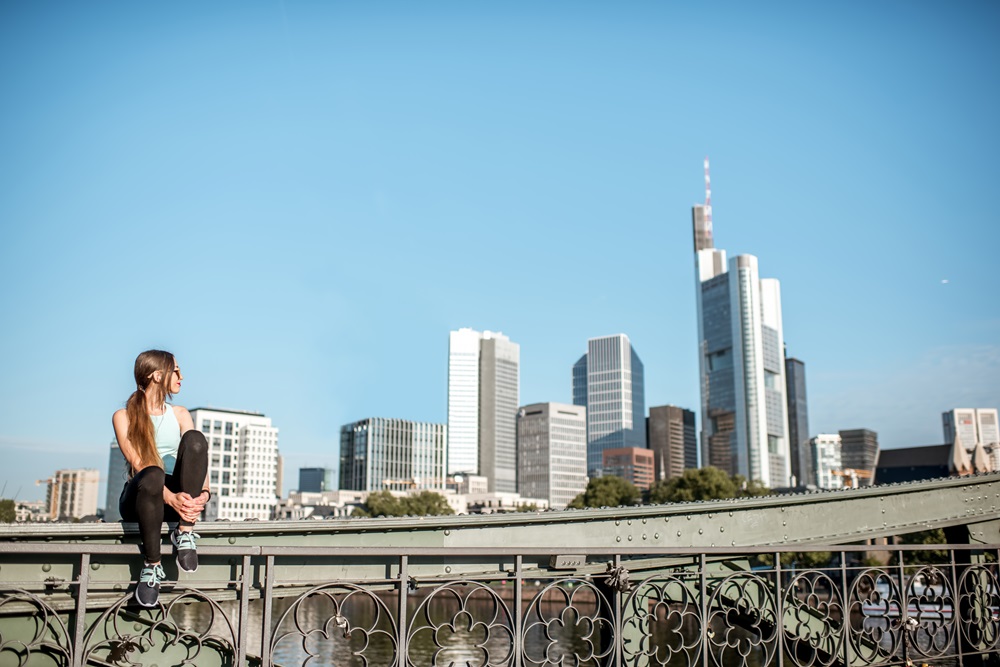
(169,468)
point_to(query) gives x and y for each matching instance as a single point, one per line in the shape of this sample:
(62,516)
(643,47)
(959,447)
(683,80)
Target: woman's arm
(120,421)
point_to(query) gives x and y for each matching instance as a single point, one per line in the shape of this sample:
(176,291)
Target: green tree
(527,508)
(607,492)
(425,503)
(706,483)
(7,511)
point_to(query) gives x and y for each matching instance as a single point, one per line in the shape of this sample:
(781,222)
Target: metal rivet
(656,536)
(629,538)
(46,568)
(644,536)
(137,627)
(629,522)
(232,539)
(95,566)
(701,531)
(733,543)
(644,521)
(617,522)
(447,533)
(618,539)
(678,533)
(447,569)
(722,529)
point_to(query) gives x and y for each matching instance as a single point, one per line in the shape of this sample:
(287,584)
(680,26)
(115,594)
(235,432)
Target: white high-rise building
(552,452)
(242,463)
(744,414)
(378,454)
(826,456)
(483,392)
(72,494)
(975,427)
(463,401)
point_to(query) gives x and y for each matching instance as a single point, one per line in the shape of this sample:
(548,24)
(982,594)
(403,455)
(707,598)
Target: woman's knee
(194,444)
(150,481)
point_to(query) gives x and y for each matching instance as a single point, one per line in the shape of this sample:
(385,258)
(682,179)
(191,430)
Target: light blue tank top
(167,432)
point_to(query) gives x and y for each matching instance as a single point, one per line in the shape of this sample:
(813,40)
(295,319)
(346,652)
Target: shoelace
(152,575)
(185,540)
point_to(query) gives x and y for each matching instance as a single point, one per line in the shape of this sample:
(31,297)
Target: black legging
(142,497)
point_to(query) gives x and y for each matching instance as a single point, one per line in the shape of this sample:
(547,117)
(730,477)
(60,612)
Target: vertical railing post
(616,634)
(80,626)
(904,608)
(703,602)
(244,617)
(403,603)
(956,607)
(518,621)
(265,630)
(779,629)
(846,597)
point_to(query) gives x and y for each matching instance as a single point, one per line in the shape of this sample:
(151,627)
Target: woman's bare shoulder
(120,415)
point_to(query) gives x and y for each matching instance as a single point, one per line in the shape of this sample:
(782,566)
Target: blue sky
(301,199)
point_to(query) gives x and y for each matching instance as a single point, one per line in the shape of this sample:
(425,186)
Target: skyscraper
(242,463)
(798,422)
(117,477)
(483,395)
(671,434)
(552,452)
(743,409)
(379,454)
(608,381)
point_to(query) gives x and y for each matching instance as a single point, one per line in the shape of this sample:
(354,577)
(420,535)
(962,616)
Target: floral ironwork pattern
(462,623)
(126,634)
(813,617)
(743,621)
(664,614)
(40,631)
(568,624)
(930,610)
(339,624)
(875,615)
(979,601)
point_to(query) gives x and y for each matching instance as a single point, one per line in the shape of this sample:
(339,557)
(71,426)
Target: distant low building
(826,453)
(31,511)
(316,480)
(859,451)
(320,505)
(633,464)
(974,427)
(913,464)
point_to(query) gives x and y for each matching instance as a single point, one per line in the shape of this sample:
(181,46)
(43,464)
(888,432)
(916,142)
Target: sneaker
(147,593)
(186,549)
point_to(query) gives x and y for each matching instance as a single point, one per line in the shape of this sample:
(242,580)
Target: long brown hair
(140,426)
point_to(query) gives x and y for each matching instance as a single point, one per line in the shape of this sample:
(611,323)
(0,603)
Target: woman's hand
(187,508)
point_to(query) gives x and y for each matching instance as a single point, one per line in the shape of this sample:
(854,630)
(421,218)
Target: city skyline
(295,165)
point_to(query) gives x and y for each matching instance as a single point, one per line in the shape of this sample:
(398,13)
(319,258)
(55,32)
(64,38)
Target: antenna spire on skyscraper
(708,194)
